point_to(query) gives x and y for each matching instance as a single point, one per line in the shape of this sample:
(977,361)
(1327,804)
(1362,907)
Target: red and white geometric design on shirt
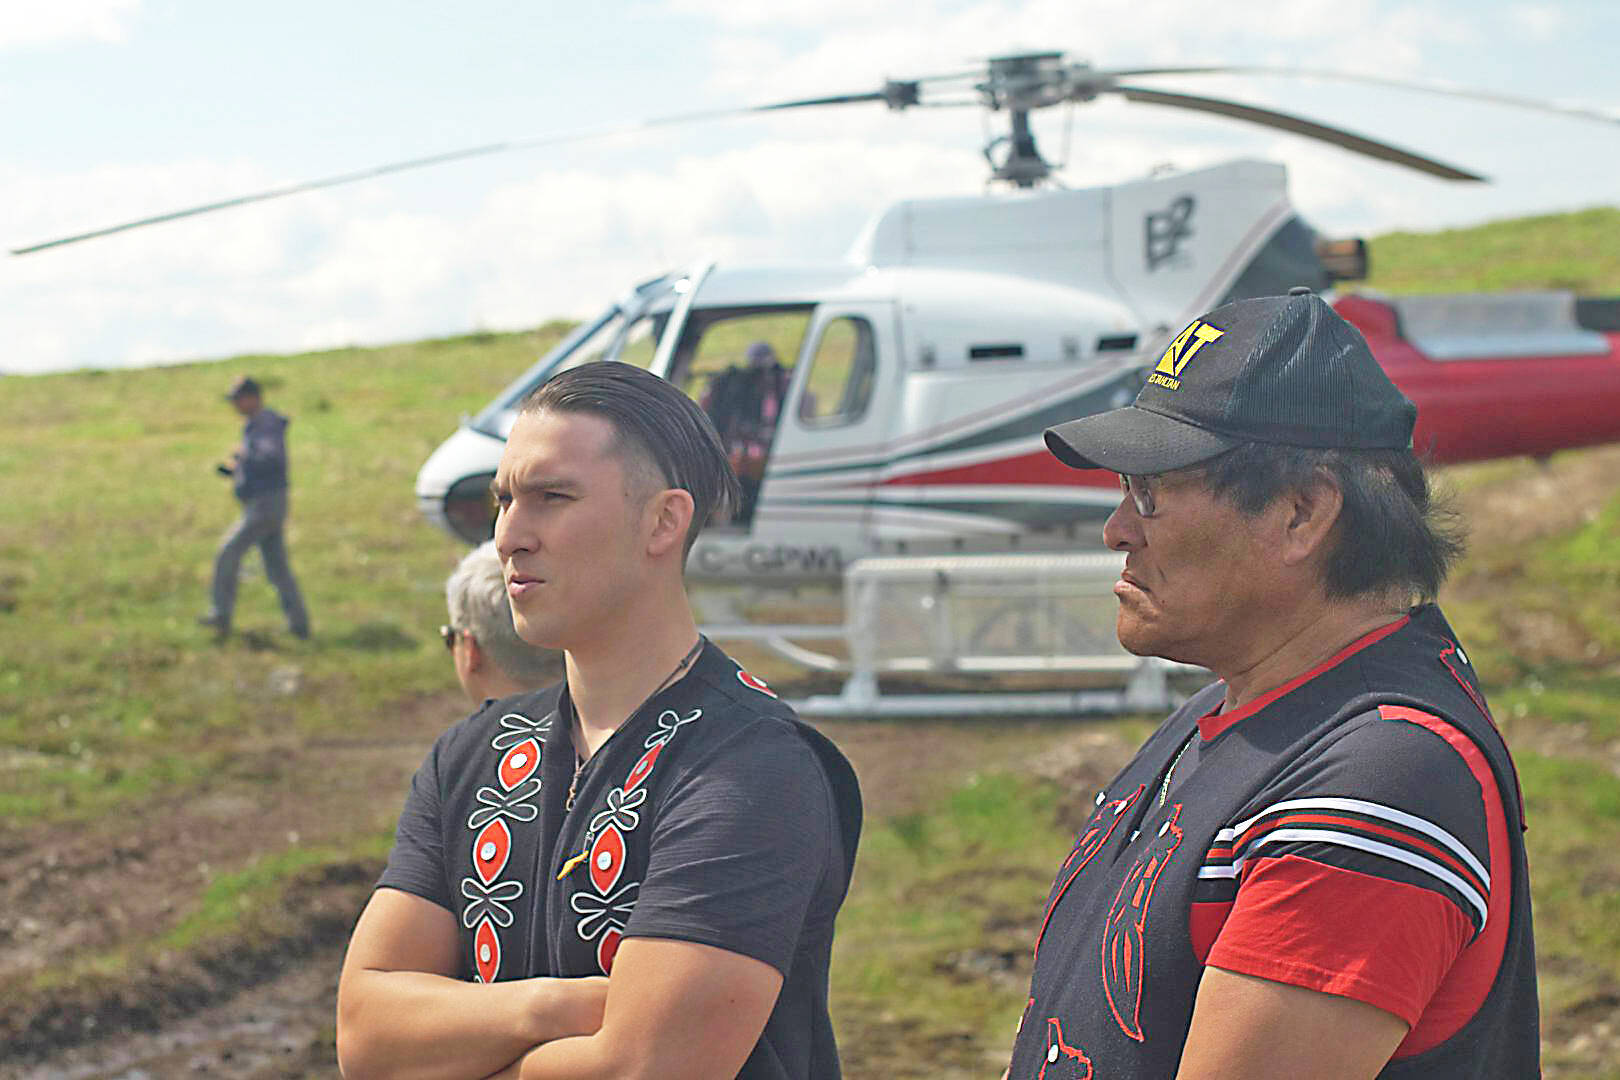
(491,848)
(489,907)
(605,912)
(604,916)
(607,859)
(486,951)
(754,682)
(519,763)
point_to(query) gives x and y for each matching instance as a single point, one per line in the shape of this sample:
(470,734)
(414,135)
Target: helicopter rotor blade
(898,95)
(1297,125)
(1444,89)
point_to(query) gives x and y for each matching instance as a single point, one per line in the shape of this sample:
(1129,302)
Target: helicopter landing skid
(996,622)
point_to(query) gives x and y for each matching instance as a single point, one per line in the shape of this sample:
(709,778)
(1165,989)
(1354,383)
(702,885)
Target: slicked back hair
(475,595)
(656,426)
(1392,531)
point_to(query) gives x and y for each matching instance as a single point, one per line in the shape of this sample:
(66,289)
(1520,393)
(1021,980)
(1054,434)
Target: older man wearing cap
(258,472)
(1314,868)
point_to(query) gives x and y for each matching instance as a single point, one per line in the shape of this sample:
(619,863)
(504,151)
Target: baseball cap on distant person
(1275,369)
(242,386)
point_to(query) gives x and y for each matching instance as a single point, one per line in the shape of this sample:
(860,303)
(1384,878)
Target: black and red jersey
(1357,831)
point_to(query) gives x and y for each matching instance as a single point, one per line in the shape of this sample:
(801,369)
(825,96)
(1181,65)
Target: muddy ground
(266,1010)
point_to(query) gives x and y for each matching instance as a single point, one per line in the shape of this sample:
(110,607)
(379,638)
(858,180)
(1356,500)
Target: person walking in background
(258,472)
(1315,868)
(659,817)
(491,660)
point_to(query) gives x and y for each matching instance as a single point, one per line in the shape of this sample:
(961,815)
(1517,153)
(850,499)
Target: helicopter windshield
(625,332)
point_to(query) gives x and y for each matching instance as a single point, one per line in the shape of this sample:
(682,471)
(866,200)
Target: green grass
(254,893)
(1578,251)
(1539,618)
(938,893)
(107,688)
(1573,807)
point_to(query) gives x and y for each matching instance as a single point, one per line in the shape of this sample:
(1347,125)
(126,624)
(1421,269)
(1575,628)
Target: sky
(117,109)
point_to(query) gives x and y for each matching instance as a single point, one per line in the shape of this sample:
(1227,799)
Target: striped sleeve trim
(1356,824)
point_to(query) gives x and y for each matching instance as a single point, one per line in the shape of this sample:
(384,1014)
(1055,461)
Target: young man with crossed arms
(634,873)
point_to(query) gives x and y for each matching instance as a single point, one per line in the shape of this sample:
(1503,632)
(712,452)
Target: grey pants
(263,517)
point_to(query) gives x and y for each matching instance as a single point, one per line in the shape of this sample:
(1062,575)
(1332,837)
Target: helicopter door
(837,420)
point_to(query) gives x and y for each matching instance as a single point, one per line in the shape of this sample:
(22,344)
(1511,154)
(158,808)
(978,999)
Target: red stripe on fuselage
(1039,468)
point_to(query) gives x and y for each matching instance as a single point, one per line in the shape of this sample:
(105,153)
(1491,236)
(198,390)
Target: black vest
(1115,969)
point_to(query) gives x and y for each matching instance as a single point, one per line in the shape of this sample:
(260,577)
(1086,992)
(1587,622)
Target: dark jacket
(261,467)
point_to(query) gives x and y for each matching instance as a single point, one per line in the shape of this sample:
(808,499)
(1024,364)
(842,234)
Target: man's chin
(1139,639)
(541,635)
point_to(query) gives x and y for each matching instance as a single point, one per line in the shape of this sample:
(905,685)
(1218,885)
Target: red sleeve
(1342,932)
(1381,871)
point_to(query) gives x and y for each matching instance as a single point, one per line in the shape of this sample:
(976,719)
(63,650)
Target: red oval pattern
(607,949)
(519,763)
(607,859)
(643,769)
(491,848)
(487,951)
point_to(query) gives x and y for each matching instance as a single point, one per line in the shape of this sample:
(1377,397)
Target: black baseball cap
(241,386)
(1274,369)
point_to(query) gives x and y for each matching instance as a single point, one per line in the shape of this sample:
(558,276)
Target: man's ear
(1310,513)
(669,514)
(474,654)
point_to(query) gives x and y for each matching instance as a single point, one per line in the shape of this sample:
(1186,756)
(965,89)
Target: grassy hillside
(229,803)
(1578,251)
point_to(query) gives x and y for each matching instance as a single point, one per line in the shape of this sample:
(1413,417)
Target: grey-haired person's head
(476,597)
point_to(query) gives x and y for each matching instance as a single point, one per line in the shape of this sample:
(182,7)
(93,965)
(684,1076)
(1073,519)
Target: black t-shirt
(713,815)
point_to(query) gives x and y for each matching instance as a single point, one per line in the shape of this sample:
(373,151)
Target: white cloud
(858,46)
(392,262)
(30,23)
(1543,22)
(334,269)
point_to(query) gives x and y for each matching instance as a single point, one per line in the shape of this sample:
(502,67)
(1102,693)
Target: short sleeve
(746,841)
(416,863)
(1364,872)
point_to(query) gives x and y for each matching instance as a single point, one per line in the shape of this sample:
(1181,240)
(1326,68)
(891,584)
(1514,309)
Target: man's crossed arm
(672,1008)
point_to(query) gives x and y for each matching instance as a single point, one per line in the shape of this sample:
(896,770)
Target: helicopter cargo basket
(998,620)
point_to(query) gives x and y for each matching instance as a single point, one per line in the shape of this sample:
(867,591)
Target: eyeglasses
(448,634)
(1140,489)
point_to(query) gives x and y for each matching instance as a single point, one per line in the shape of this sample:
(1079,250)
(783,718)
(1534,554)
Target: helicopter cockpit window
(615,340)
(610,337)
(839,384)
(737,363)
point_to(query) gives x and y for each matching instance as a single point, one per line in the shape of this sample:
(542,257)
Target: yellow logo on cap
(1167,373)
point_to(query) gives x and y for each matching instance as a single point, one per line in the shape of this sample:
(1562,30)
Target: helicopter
(893,402)
(909,384)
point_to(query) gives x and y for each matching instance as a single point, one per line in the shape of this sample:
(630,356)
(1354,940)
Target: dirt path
(278,1030)
(72,894)
(266,1010)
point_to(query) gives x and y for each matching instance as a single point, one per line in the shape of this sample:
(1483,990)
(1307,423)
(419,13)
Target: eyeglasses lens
(448,633)
(1140,489)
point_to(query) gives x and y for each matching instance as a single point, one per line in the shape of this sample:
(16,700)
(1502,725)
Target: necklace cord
(579,762)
